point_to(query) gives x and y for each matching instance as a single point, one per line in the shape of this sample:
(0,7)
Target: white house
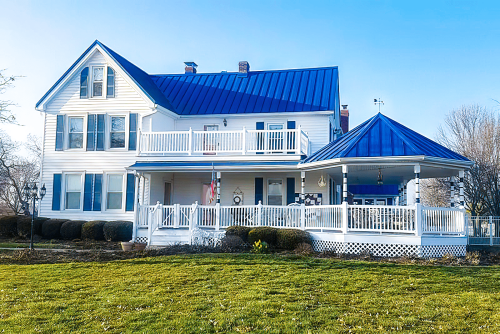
(121,144)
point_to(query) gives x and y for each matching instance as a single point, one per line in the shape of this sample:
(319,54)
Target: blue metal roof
(312,89)
(381,136)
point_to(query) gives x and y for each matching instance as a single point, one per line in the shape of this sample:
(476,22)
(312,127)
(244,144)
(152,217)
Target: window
(73,191)
(84,83)
(115,191)
(75,132)
(275,192)
(97,81)
(117,133)
(110,91)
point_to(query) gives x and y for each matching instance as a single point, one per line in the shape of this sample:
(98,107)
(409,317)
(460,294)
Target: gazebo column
(302,187)
(416,169)
(345,170)
(461,175)
(452,191)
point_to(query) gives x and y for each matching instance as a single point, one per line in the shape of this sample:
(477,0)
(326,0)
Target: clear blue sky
(423,58)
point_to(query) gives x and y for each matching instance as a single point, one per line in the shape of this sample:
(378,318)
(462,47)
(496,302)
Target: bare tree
(6,115)
(474,132)
(436,192)
(15,173)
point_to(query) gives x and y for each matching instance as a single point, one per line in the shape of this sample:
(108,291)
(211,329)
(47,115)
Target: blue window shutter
(60,133)
(389,201)
(129,203)
(100,133)
(56,192)
(96,206)
(290,190)
(87,192)
(290,138)
(259,190)
(84,83)
(91,127)
(132,136)
(110,91)
(260,137)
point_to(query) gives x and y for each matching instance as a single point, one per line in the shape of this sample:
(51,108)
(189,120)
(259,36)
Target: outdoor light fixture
(32,193)
(380,180)
(224,122)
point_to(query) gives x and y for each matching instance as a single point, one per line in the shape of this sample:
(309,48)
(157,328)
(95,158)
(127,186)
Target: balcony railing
(293,141)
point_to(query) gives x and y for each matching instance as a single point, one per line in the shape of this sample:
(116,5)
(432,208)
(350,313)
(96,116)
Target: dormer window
(97,81)
(101,80)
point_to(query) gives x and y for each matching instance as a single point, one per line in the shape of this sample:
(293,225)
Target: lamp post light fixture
(32,193)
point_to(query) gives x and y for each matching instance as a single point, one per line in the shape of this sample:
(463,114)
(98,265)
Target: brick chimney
(344,118)
(244,67)
(190,67)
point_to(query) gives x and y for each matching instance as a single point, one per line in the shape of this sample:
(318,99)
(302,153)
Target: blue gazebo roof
(381,136)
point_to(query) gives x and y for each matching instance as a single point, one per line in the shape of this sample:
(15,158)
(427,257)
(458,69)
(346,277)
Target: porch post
(417,183)
(190,141)
(136,206)
(218,187)
(452,191)
(302,187)
(405,192)
(400,191)
(461,175)
(345,170)
(217,204)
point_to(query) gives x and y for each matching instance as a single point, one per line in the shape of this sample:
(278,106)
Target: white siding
(68,101)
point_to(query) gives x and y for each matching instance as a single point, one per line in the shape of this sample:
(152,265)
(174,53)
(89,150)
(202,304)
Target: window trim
(108,132)
(66,132)
(63,190)
(105,188)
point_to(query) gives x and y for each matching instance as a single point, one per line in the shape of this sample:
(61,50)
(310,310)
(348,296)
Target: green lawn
(247,293)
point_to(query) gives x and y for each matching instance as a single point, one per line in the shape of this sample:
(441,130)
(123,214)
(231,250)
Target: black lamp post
(32,193)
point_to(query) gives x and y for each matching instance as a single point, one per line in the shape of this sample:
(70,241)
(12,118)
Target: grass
(247,293)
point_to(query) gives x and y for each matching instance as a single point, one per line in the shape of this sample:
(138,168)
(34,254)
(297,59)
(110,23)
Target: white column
(345,170)
(452,191)
(405,192)
(136,206)
(417,183)
(218,187)
(302,187)
(461,175)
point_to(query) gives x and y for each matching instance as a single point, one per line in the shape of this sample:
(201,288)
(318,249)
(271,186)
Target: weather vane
(379,102)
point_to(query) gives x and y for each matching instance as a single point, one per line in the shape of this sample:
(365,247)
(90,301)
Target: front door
(167,196)
(275,192)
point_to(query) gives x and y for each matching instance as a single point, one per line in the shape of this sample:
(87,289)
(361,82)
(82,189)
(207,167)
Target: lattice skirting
(141,240)
(388,250)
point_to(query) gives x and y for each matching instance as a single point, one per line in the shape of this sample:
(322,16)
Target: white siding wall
(316,126)
(68,101)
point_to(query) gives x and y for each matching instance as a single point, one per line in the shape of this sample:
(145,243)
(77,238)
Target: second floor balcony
(237,142)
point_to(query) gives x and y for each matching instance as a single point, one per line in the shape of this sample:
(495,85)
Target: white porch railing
(242,141)
(483,230)
(417,220)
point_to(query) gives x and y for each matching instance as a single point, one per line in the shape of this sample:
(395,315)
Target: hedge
(51,229)
(93,230)
(239,231)
(118,231)
(264,233)
(8,226)
(289,239)
(24,226)
(72,229)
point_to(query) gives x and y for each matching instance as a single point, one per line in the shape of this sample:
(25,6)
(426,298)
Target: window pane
(115,182)
(98,73)
(72,200)
(275,187)
(75,140)
(73,182)
(274,200)
(118,139)
(114,200)
(75,124)
(97,88)
(111,90)
(117,124)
